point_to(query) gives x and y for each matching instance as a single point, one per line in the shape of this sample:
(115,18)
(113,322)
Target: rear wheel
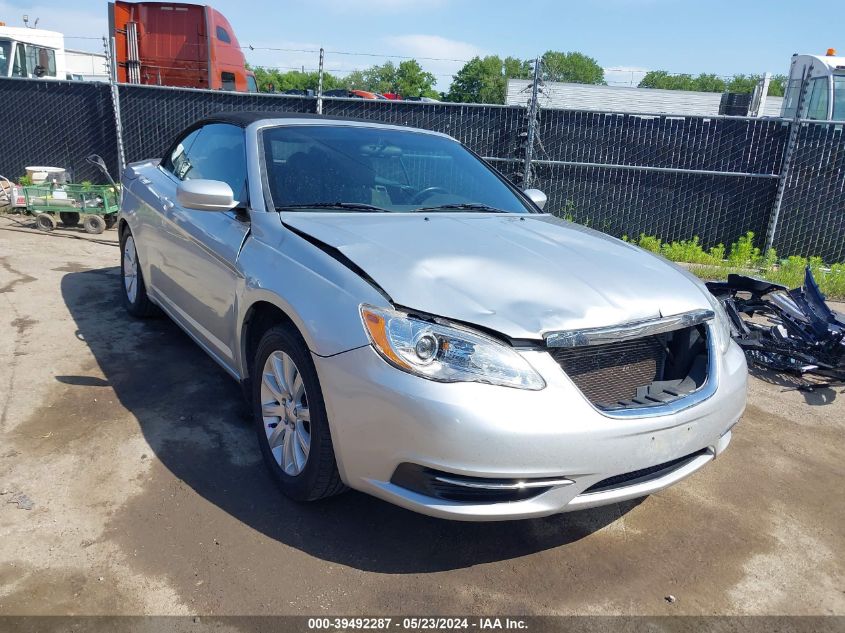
(290,418)
(134,290)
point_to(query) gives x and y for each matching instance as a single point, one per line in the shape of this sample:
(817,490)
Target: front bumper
(382,417)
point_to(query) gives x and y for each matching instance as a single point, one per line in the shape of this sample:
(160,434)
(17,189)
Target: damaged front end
(790,331)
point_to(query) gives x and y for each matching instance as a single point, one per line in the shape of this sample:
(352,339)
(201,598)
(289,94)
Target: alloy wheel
(284,409)
(130,270)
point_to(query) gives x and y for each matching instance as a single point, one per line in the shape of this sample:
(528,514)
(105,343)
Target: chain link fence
(56,123)
(152,116)
(812,218)
(669,176)
(673,177)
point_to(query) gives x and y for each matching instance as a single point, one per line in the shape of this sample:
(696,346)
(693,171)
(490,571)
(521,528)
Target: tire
(134,294)
(318,477)
(110,221)
(69,218)
(94,224)
(45,222)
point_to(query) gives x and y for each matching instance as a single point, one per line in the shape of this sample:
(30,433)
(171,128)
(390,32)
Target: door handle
(166,203)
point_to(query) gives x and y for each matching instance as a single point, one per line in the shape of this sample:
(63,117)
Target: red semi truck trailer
(177,44)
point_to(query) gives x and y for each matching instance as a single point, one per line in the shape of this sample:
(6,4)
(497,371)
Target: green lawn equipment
(95,205)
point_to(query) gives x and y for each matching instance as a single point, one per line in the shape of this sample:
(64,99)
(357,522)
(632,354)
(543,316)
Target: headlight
(721,323)
(445,353)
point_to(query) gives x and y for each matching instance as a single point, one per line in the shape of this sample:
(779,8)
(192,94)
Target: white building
(625,99)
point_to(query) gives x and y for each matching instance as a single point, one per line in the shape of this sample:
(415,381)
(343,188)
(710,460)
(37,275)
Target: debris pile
(790,331)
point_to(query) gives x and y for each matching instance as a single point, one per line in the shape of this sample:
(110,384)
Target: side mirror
(537,197)
(205,195)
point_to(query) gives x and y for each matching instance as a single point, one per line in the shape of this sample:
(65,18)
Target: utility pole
(320,83)
(533,112)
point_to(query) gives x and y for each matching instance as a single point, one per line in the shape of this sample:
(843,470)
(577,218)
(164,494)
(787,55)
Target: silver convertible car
(407,323)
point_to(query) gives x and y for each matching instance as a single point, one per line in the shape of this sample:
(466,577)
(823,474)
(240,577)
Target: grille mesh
(644,474)
(610,374)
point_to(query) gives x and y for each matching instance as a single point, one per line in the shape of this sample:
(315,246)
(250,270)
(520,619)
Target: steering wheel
(426,193)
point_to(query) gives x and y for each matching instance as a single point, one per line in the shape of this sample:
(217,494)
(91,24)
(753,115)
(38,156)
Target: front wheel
(45,222)
(290,418)
(134,290)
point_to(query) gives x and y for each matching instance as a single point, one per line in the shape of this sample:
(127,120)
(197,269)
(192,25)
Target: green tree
(407,79)
(743,83)
(355,80)
(665,81)
(710,82)
(777,86)
(381,78)
(484,80)
(292,80)
(413,81)
(572,67)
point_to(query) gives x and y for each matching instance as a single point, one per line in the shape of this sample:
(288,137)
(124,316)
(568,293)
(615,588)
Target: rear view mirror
(205,195)
(537,197)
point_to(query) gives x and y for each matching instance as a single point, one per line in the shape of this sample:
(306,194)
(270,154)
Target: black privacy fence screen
(669,176)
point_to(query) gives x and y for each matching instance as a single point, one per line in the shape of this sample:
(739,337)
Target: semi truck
(177,44)
(33,53)
(824,79)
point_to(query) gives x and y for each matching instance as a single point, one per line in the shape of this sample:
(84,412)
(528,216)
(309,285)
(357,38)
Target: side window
(5,57)
(251,86)
(214,152)
(839,98)
(223,35)
(817,101)
(177,162)
(41,62)
(47,61)
(19,65)
(228,81)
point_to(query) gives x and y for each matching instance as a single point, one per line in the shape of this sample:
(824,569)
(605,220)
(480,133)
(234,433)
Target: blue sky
(720,36)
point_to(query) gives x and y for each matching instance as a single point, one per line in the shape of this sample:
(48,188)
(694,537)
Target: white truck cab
(31,53)
(825,81)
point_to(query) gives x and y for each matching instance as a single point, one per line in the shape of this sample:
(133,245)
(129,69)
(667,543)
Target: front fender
(319,294)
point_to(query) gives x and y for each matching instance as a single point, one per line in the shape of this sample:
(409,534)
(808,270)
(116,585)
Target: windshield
(839,97)
(364,169)
(5,57)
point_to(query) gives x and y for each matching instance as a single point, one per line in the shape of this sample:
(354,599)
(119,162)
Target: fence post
(115,100)
(794,127)
(533,112)
(320,83)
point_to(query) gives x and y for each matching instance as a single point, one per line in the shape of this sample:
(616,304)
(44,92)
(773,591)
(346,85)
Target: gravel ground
(130,483)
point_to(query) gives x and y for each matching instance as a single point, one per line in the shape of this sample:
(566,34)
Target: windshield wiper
(341,206)
(464,206)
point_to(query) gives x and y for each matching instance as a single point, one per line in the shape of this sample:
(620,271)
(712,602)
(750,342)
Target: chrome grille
(610,374)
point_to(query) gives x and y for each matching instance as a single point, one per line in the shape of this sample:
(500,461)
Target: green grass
(745,258)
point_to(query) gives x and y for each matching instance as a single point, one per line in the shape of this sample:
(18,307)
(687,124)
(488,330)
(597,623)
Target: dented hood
(520,275)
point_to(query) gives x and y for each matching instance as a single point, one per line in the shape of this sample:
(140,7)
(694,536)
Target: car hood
(520,275)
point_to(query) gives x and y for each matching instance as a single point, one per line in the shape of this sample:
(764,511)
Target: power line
(308,50)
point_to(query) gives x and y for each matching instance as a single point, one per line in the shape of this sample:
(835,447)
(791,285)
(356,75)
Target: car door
(196,277)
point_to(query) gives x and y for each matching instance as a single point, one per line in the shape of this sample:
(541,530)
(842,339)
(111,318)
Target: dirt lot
(147,494)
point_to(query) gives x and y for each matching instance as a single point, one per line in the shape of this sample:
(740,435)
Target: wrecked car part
(790,331)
